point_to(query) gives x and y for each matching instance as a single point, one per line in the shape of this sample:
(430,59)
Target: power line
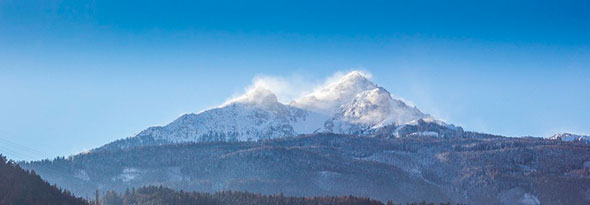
(4,136)
(16,154)
(20,149)
(21,146)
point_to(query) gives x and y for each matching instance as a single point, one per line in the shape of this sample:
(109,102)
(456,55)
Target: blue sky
(77,74)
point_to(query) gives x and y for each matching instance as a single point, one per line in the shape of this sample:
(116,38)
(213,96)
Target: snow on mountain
(571,137)
(427,126)
(370,110)
(351,105)
(330,98)
(253,116)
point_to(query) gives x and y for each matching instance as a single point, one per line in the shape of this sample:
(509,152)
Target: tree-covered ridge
(162,195)
(18,186)
(473,169)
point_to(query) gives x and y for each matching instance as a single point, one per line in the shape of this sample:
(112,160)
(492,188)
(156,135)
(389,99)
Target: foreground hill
(468,168)
(18,186)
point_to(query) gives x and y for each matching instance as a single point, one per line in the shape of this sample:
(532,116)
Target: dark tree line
(18,186)
(162,195)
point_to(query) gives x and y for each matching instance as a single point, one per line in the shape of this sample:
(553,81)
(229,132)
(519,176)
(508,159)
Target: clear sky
(76,74)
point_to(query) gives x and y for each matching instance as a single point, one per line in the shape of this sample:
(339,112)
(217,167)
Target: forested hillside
(18,186)
(478,169)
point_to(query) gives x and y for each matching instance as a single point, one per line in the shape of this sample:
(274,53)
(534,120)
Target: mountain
(470,168)
(349,137)
(18,186)
(568,137)
(351,105)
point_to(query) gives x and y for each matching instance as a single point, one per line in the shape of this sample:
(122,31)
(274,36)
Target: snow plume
(335,92)
(298,90)
(340,75)
(285,89)
(256,95)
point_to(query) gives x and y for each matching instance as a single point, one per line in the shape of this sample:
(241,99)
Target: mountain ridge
(350,105)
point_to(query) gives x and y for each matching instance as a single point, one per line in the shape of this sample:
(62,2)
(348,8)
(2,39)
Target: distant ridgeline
(18,186)
(161,195)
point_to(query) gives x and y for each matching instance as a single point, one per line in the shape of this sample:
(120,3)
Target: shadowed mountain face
(468,167)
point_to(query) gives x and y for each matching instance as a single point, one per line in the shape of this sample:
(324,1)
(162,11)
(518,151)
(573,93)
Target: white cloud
(285,88)
(289,88)
(336,77)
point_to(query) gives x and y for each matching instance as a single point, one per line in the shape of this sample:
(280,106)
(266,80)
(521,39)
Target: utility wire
(16,154)
(2,138)
(11,147)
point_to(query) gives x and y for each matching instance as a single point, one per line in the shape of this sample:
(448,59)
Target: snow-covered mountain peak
(369,107)
(350,105)
(331,97)
(569,137)
(377,95)
(355,77)
(256,96)
(373,109)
